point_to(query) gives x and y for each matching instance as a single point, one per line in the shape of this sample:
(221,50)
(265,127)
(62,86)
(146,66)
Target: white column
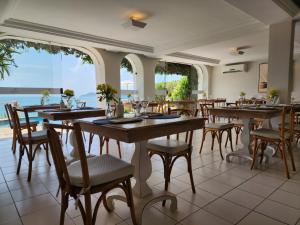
(149,65)
(281,45)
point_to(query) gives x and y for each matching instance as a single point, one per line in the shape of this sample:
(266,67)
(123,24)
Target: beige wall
(230,85)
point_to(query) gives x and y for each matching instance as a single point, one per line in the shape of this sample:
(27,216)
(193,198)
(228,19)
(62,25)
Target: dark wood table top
(70,115)
(261,113)
(32,108)
(144,130)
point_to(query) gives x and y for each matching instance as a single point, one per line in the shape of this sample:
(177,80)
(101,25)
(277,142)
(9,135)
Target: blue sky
(41,69)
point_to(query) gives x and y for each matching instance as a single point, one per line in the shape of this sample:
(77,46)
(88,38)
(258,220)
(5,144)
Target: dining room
(149,112)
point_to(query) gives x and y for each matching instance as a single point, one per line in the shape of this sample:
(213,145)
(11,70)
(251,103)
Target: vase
(109,113)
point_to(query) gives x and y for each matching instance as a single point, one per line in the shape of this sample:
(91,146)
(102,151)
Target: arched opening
(202,88)
(131,77)
(177,81)
(42,65)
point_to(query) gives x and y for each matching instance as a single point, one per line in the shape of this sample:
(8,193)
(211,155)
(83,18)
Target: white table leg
(245,151)
(143,195)
(74,152)
(142,169)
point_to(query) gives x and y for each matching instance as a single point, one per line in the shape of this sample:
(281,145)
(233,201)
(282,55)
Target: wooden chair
(33,125)
(170,150)
(88,176)
(29,142)
(216,129)
(282,139)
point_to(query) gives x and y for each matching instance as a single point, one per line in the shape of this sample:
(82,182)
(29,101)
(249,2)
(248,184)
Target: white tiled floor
(226,193)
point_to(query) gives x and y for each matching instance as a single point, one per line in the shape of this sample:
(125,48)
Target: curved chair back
(9,113)
(58,157)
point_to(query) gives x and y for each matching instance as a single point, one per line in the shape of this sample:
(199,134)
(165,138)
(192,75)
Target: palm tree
(6,59)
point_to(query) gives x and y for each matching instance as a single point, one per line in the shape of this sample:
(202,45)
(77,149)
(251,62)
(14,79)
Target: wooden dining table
(139,133)
(247,115)
(72,116)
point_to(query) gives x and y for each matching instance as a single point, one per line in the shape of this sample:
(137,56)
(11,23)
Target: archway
(203,85)
(132,77)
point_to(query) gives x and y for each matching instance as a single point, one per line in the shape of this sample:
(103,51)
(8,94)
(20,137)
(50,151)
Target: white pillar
(149,65)
(281,45)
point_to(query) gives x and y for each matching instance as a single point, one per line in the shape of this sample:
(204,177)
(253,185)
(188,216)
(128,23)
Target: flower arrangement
(273,93)
(68,95)
(106,92)
(204,94)
(45,97)
(242,94)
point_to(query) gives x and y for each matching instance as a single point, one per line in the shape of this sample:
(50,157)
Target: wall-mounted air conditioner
(234,68)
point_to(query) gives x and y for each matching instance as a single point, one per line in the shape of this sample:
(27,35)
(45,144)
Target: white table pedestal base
(140,204)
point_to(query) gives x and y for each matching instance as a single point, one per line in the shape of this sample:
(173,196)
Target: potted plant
(45,97)
(242,94)
(273,95)
(68,96)
(107,93)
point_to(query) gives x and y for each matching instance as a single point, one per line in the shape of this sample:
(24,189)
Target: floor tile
(47,216)
(34,204)
(243,198)
(286,198)
(256,218)
(257,189)
(215,187)
(291,187)
(5,199)
(268,180)
(200,198)
(184,209)
(8,213)
(204,218)
(279,211)
(227,210)
(229,180)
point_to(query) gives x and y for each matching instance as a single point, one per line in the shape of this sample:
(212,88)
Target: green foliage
(272,92)
(6,59)
(68,93)
(45,93)
(106,92)
(242,94)
(182,90)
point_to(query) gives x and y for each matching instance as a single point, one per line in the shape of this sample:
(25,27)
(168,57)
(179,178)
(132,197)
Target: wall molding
(194,57)
(50,30)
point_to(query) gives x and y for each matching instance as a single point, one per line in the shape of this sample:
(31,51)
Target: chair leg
(226,141)
(189,162)
(90,142)
(67,135)
(119,149)
(237,131)
(88,209)
(254,153)
(47,153)
(203,139)
(290,150)
(130,202)
(213,136)
(107,145)
(30,160)
(21,153)
(101,144)
(167,174)
(230,138)
(219,139)
(14,141)
(83,136)
(63,207)
(282,149)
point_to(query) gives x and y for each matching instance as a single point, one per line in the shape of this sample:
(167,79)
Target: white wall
(230,85)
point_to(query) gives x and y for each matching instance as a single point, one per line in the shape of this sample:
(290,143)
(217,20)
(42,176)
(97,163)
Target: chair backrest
(58,157)
(187,112)
(288,113)
(17,122)
(9,113)
(205,107)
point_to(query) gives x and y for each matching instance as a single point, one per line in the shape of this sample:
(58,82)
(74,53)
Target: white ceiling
(203,28)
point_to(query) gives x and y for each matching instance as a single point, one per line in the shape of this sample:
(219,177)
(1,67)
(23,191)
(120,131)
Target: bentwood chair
(29,142)
(33,125)
(170,150)
(88,176)
(216,129)
(281,139)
